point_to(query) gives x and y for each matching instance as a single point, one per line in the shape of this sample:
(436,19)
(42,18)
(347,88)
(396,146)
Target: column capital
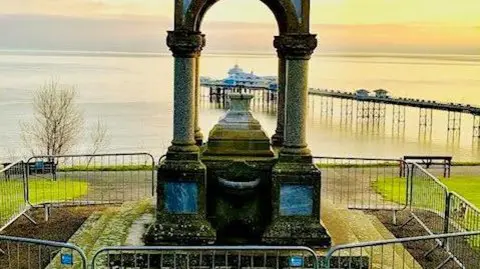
(185,44)
(295,46)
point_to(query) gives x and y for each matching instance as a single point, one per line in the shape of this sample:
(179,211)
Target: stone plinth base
(296,190)
(181,203)
(180,230)
(299,231)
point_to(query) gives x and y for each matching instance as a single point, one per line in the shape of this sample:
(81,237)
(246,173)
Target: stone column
(296,181)
(181,188)
(297,49)
(185,47)
(198,132)
(277,138)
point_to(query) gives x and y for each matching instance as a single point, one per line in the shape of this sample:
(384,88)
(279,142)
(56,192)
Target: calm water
(134,95)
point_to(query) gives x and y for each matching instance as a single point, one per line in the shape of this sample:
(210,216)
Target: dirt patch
(461,248)
(63,223)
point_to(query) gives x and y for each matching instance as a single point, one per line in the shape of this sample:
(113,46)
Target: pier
(368,107)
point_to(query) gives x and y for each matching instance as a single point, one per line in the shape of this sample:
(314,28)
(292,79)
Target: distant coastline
(445,57)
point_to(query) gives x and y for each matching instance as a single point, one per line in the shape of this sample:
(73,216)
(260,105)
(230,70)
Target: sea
(133,94)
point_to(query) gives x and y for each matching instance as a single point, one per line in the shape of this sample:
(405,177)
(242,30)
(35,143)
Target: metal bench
(41,167)
(428,161)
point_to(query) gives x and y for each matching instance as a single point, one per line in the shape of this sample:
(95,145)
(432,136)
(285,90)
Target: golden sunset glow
(359,24)
(464,12)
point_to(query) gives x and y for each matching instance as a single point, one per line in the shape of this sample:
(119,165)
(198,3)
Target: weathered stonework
(239,160)
(278,137)
(298,46)
(250,191)
(181,227)
(296,182)
(181,188)
(301,228)
(238,133)
(187,44)
(198,132)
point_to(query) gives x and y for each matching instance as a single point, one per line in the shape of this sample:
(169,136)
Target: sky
(434,26)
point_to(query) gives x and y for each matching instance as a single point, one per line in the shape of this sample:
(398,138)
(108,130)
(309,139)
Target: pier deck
(399,101)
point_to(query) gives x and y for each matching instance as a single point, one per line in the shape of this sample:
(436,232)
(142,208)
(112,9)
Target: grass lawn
(41,191)
(466,186)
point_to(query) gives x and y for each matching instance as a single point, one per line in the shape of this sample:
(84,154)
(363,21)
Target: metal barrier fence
(90,179)
(462,216)
(363,183)
(12,193)
(274,257)
(392,254)
(428,200)
(16,253)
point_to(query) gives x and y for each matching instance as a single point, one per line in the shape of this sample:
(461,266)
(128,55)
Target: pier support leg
(454,121)
(277,138)
(181,185)
(363,111)
(453,128)
(476,126)
(398,120)
(296,181)
(326,106)
(425,123)
(346,111)
(378,115)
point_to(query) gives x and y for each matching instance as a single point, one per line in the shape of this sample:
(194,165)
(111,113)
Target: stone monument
(196,183)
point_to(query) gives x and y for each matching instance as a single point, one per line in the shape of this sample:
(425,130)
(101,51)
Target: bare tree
(57,123)
(99,138)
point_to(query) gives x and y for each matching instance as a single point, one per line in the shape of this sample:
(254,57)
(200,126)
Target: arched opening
(229,34)
(280,13)
(226,33)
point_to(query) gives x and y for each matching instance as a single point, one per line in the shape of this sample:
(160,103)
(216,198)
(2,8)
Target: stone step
(369,228)
(401,252)
(337,221)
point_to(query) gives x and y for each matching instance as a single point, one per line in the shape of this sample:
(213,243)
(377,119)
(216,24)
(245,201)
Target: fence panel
(392,254)
(18,253)
(90,179)
(205,257)
(463,216)
(12,193)
(362,183)
(428,199)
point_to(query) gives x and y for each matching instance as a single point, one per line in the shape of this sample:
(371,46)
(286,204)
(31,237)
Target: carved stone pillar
(296,181)
(277,138)
(181,188)
(198,132)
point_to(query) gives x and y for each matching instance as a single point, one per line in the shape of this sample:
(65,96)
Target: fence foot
(407,222)
(394,217)
(47,209)
(444,263)
(29,218)
(431,250)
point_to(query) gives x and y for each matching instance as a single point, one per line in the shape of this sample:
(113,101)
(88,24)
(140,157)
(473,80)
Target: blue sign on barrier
(66,259)
(296,261)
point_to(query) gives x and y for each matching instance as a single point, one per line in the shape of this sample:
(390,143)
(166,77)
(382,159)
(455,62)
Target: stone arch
(289,18)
